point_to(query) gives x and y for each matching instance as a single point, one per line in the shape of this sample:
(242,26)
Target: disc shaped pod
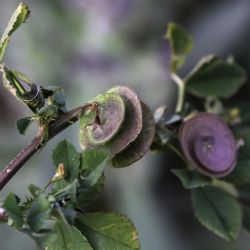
(141,145)
(115,123)
(208,144)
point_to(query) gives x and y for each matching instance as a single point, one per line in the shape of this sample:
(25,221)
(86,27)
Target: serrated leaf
(66,153)
(215,77)
(191,179)
(13,210)
(95,162)
(240,174)
(18,17)
(218,211)
(38,213)
(22,124)
(68,238)
(107,231)
(181,43)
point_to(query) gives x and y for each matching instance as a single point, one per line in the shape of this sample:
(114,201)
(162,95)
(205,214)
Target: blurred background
(88,46)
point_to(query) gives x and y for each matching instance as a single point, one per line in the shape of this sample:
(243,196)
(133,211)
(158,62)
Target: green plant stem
(181,92)
(63,121)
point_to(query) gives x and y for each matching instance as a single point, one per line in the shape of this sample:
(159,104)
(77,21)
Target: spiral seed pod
(98,128)
(116,124)
(140,146)
(209,145)
(122,126)
(132,124)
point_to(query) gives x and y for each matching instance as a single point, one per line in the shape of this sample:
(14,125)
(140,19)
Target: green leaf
(18,17)
(13,210)
(95,162)
(66,153)
(38,213)
(107,231)
(68,238)
(22,124)
(191,179)
(240,174)
(181,43)
(87,194)
(218,211)
(214,77)
(91,158)
(34,190)
(246,217)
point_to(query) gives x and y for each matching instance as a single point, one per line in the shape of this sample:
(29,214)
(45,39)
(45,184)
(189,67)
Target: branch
(63,121)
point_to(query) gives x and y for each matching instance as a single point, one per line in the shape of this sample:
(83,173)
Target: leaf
(13,210)
(107,231)
(66,153)
(214,77)
(191,179)
(218,211)
(34,190)
(95,161)
(181,43)
(87,195)
(240,174)
(18,17)
(22,124)
(38,213)
(68,238)
(91,158)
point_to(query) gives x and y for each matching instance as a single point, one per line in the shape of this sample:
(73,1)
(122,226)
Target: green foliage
(13,210)
(68,238)
(19,17)
(22,124)
(218,211)
(38,213)
(108,231)
(117,128)
(215,77)
(241,173)
(181,43)
(191,179)
(94,161)
(66,153)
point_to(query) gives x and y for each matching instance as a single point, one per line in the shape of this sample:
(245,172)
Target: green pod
(141,145)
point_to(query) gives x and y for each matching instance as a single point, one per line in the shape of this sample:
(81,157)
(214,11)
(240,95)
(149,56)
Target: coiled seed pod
(140,146)
(208,144)
(121,125)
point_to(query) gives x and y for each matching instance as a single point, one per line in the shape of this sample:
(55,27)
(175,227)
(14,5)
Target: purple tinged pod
(100,127)
(132,124)
(208,144)
(141,145)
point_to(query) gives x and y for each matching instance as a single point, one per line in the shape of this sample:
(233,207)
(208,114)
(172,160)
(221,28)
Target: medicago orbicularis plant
(117,129)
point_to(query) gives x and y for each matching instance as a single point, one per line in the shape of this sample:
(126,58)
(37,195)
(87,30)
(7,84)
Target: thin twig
(64,121)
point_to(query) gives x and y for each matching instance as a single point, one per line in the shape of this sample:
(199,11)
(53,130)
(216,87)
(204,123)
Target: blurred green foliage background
(88,46)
